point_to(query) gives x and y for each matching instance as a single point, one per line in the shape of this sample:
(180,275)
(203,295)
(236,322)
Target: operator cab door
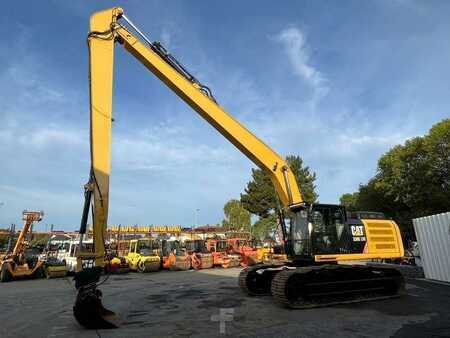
(321,229)
(334,234)
(132,255)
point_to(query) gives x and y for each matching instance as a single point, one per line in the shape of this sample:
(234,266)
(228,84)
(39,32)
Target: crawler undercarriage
(321,285)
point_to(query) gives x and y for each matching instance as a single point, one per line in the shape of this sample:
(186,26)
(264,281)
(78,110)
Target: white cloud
(167,38)
(54,135)
(383,140)
(35,136)
(294,42)
(32,88)
(164,147)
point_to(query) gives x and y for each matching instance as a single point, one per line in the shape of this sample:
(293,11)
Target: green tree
(265,227)
(3,240)
(412,179)
(437,146)
(236,217)
(349,200)
(40,241)
(259,196)
(305,178)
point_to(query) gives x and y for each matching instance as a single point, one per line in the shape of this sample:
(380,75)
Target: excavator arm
(105,31)
(107,28)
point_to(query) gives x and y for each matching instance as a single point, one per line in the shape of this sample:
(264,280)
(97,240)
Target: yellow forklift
(21,263)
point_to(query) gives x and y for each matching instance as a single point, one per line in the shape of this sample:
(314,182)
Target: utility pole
(12,232)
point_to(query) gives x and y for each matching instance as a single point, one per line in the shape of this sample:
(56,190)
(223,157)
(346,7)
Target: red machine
(220,251)
(244,248)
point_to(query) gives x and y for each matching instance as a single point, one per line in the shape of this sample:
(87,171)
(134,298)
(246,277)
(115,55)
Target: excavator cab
(196,245)
(169,246)
(221,245)
(315,229)
(325,233)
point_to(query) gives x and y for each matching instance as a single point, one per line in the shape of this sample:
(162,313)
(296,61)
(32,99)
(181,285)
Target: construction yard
(169,214)
(189,303)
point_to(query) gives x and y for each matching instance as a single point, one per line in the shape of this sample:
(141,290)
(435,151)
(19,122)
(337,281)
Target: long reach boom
(318,233)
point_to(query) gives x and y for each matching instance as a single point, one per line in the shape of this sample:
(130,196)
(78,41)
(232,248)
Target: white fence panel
(433,237)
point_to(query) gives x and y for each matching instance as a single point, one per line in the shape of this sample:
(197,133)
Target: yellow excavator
(317,236)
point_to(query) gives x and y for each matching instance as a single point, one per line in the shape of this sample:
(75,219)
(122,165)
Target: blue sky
(336,82)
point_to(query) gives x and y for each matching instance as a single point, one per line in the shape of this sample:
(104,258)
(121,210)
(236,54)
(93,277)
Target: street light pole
(196,217)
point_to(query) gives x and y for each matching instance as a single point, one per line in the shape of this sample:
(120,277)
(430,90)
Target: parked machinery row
(151,254)
(142,255)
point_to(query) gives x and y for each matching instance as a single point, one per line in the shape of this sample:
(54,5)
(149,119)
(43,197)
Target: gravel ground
(189,303)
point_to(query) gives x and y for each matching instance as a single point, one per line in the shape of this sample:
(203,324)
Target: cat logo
(358,233)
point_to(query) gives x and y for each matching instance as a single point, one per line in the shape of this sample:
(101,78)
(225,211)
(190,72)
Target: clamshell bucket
(88,309)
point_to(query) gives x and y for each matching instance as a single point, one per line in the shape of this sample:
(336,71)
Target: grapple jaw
(88,309)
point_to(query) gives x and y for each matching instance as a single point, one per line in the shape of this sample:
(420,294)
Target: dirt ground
(200,303)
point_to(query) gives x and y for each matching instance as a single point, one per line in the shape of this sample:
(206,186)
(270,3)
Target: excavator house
(317,237)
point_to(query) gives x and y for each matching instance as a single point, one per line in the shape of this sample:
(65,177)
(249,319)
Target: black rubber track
(254,283)
(326,285)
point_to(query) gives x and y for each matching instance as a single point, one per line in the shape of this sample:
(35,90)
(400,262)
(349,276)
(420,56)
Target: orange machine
(243,247)
(20,264)
(220,251)
(200,257)
(173,257)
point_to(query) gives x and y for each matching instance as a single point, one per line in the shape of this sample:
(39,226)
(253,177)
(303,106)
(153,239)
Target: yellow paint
(146,228)
(135,258)
(101,57)
(383,241)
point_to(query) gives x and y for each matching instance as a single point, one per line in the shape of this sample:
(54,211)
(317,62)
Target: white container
(433,237)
